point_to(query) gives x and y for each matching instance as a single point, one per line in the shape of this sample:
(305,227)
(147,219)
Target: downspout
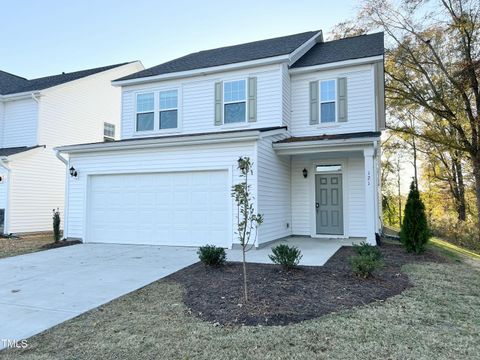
(6,223)
(65,205)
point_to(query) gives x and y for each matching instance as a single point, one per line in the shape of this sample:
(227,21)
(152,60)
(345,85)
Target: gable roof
(12,84)
(16,150)
(228,55)
(355,47)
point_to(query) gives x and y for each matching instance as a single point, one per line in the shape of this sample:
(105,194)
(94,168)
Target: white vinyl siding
(273,191)
(360,102)
(20,123)
(286,96)
(37,186)
(354,200)
(197,101)
(74,113)
(171,159)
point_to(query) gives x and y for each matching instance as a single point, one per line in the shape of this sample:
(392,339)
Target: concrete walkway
(315,252)
(43,289)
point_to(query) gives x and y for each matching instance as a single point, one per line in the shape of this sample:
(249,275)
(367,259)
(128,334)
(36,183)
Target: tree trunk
(460,189)
(414,147)
(244,276)
(476,174)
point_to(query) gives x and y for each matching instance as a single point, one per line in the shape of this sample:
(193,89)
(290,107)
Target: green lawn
(438,318)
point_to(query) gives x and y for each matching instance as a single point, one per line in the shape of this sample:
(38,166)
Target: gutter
(60,157)
(286,148)
(159,142)
(18,96)
(203,71)
(337,64)
(6,219)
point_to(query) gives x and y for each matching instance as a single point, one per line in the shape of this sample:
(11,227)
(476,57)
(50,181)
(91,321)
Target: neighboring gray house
(35,116)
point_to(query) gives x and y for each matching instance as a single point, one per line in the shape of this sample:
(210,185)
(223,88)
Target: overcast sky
(47,37)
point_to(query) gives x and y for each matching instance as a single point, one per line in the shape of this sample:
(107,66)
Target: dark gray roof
(344,49)
(294,139)
(9,81)
(228,55)
(16,150)
(11,84)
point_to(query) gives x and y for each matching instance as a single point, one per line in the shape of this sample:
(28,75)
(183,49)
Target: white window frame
(156,111)
(320,102)
(234,102)
(144,112)
(105,136)
(166,109)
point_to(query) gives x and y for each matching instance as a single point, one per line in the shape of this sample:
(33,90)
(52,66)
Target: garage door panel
(188,208)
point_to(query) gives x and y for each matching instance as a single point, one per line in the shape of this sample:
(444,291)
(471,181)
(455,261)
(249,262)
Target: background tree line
(432,83)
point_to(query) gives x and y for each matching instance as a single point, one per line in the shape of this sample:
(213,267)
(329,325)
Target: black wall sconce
(73,172)
(305,173)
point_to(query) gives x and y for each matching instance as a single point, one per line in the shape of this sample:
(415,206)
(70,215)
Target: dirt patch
(59,244)
(27,244)
(279,297)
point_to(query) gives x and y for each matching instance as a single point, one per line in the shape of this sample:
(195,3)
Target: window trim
(160,110)
(239,123)
(156,111)
(108,137)
(320,102)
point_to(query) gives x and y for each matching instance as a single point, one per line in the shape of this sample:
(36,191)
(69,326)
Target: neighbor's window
(327,101)
(108,131)
(168,109)
(145,112)
(234,101)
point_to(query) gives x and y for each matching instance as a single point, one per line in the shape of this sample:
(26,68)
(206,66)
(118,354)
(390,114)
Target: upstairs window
(145,112)
(328,95)
(108,131)
(168,115)
(234,101)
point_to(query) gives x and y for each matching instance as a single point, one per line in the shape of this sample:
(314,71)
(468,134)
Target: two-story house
(307,112)
(39,114)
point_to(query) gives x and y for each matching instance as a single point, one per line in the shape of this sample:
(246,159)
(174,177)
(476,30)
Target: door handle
(317,205)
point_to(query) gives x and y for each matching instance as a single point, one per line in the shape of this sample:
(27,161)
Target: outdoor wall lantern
(73,172)
(305,173)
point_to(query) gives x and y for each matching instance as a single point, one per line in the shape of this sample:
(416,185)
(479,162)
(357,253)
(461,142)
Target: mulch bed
(279,297)
(59,244)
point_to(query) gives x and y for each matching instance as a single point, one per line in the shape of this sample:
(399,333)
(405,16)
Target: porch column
(369,195)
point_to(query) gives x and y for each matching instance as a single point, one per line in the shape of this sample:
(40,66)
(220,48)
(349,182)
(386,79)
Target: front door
(329,204)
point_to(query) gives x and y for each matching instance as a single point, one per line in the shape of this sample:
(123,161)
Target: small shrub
(56,225)
(365,249)
(368,258)
(287,256)
(212,255)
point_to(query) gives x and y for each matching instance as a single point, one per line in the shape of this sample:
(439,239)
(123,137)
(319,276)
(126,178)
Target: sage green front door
(329,204)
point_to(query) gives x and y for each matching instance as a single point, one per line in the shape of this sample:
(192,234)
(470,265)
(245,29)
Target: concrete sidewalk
(43,289)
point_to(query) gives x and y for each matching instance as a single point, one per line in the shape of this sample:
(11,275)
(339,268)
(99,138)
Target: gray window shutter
(342,99)
(218,103)
(252,99)
(313,102)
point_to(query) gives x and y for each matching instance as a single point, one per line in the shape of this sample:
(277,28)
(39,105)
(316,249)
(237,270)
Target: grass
(23,245)
(438,318)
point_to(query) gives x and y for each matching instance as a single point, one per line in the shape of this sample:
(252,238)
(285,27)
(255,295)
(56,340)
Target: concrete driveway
(43,289)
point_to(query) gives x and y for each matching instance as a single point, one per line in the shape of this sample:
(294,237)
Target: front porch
(334,186)
(316,252)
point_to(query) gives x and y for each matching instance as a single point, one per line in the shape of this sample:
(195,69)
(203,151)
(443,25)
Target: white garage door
(181,209)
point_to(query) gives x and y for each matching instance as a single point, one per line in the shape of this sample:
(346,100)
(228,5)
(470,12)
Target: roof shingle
(228,55)
(344,49)
(12,84)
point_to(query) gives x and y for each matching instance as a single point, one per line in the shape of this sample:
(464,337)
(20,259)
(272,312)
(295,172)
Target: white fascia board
(306,46)
(19,96)
(337,64)
(161,142)
(203,71)
(310,147)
